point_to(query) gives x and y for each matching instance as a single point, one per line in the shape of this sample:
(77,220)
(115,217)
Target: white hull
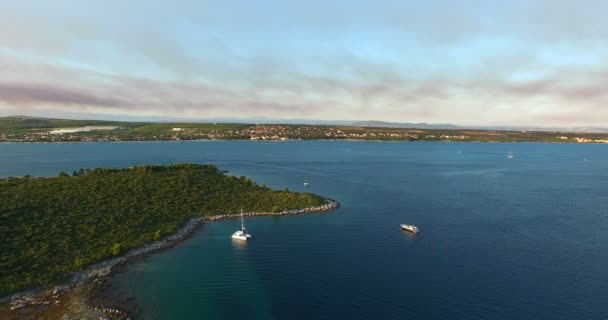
(410,228)
(240,237)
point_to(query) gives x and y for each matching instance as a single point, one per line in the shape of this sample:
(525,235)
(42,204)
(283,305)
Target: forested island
(52,226)
(27,129)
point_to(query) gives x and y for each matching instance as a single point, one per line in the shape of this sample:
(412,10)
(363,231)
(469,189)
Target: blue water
(525,238)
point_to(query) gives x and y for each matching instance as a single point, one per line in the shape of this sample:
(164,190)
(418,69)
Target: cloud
(384,94)
(467,62)
(28,94)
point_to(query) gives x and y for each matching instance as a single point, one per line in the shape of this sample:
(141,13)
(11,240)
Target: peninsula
(27,129)
(55,226)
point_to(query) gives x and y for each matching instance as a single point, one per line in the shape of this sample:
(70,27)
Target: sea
(501,238)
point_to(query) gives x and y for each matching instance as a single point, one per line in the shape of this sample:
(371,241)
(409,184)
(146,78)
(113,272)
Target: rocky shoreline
(329,205)
(92,280)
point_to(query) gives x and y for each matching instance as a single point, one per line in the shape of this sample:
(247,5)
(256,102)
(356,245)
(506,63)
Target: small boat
(306,183)
(410,228)
(241,234)
(510,156)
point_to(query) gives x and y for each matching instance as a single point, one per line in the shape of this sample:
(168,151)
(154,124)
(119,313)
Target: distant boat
(306,183)
(410,228)
(510,156)
(241,234)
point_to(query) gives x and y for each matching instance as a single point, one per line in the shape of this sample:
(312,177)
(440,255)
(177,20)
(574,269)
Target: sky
(519,63)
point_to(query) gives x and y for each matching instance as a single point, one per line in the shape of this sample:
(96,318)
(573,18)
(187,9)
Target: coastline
(318,140)
(92,280)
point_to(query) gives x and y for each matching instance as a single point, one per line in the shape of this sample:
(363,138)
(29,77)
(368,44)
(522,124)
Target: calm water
(501,239)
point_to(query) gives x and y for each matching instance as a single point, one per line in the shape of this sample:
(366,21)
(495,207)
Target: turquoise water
(525,238)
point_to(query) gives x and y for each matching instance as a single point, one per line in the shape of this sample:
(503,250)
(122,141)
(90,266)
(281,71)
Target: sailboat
(241,234)
(510,156)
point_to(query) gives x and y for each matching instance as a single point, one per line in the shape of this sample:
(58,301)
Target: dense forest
(52,226)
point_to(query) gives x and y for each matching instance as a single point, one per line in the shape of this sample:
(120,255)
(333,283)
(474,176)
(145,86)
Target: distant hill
(20,122)
(545,129)
(408,125)
(384,124)
(24,123)
(584,129)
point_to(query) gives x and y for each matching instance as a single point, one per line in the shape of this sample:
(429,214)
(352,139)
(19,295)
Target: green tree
(78,263)
(157,235)
(63,174)
(116,249)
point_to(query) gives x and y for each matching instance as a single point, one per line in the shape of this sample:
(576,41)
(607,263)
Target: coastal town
(51,130)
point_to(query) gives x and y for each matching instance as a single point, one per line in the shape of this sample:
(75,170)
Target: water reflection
(238,245)
(409,235)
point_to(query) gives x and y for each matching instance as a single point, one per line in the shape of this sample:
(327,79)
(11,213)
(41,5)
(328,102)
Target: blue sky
(464,62)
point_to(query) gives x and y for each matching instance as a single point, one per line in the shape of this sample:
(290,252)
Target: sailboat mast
(242,221)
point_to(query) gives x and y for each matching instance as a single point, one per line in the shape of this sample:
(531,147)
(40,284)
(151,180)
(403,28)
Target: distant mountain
(545,129)
(263,120)
(19,117)
(384,124)
(589,129)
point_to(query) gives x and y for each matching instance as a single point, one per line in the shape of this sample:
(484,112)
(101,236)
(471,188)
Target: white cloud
(533,63)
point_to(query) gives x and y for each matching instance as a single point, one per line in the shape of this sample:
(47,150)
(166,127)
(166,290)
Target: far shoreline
(299,140)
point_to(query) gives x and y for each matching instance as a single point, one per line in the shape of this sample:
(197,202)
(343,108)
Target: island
(58,228)
(28,129)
